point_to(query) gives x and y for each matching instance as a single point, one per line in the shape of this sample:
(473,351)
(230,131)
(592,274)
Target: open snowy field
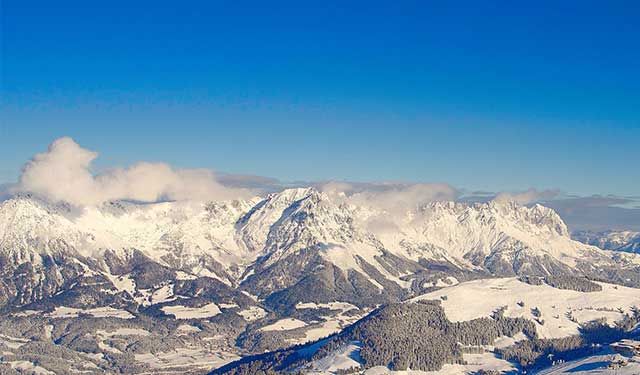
(561,310)
(186,357)
(348,357)
(99,312)
(184,312)
(597,364)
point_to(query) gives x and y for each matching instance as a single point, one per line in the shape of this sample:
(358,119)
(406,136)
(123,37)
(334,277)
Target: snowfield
(344,306)
(12,342)
(192,357)
(183,312)
(123,332)
(99,312)
(331,324)
(29,367)
(480,298)
(596,364)
(187,329)
(343,358)
(475,362)
(284,325)
(252,313)
(593,365)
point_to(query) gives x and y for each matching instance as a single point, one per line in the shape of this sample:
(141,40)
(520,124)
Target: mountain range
(263,273)
(628,241)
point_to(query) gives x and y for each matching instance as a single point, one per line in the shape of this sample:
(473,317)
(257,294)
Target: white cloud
(391,196)
(525,197)
(393,200)
(63,173)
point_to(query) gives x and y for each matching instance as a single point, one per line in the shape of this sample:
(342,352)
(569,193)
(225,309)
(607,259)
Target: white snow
(479,298)
(331,324)
(123,332)
(228,305)
(163,294)
(102,335)
(184,312)
(204,272)
(448,281)
(346,230)
(505,341)
(596,364)
(108,348)
(253,313)
(13,342)
(30,368)
(345,357)
(24,313)
(180,275)
(123,283)
(48,330)
(284,325)
(187,328)
(182,357)
(325,329)
(344,306)
(99,312)
(143,297)
(475,362)
(254,298)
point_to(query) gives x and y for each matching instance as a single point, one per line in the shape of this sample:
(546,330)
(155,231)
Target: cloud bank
(396,201)
(391,196)
(63,173)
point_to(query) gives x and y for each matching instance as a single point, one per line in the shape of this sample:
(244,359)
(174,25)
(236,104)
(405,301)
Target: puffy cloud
(63,173)
(392,197)
(526,197)
(395,200)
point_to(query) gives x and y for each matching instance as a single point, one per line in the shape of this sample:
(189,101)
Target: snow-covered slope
(561,312)
(599,364)
(483,318)
(30,227)
(604,363)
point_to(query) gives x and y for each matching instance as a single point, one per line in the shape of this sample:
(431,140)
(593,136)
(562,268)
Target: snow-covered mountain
(205,283)
(627,241)
(268,245)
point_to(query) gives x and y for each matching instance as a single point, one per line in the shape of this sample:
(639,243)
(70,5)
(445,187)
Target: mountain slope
(468,327)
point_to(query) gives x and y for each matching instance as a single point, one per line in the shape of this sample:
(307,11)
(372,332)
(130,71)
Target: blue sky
(492,96)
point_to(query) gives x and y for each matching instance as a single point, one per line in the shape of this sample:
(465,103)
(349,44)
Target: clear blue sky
(480,94)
